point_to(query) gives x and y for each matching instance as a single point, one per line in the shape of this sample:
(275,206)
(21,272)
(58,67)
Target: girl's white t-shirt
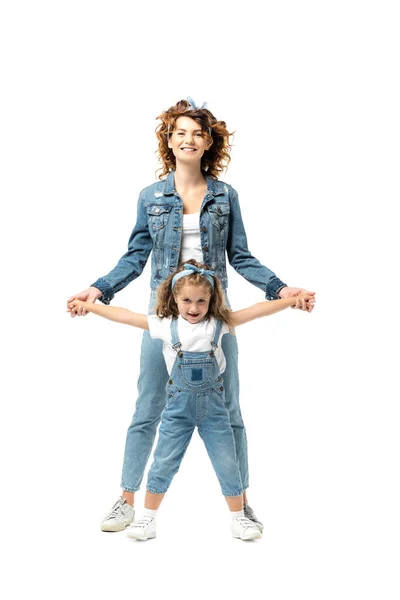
(195,337)
(191,242)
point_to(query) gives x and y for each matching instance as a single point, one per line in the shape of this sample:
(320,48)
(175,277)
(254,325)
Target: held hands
(79,307)
(304,300)
(75,303)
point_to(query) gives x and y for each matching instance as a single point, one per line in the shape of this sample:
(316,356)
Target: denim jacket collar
(212,186)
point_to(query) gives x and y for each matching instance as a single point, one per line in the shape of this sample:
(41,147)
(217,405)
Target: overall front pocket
(196,376)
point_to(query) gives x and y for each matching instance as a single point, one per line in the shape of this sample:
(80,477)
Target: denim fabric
(152,399)
(195,397)
(159,229)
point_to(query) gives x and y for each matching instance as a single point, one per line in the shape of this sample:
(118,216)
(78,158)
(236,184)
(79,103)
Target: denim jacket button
(204,229)
(205,248)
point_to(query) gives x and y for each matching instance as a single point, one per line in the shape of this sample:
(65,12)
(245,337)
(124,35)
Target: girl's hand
(78,306)
(304,302)
(90,296)
(299,293)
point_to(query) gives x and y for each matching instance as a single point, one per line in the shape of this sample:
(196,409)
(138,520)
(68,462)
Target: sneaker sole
(248,539)
(114,528)
(141,539)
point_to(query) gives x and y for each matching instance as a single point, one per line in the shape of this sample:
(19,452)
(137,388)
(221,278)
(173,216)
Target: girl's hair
(166,305)
(215,160)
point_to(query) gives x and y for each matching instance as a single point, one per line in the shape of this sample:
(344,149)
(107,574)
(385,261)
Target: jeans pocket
(219,393)
(171,395)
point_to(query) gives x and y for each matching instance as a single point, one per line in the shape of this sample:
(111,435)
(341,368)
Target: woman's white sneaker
(120,516)
(244,529)
(143,529)
(249,513)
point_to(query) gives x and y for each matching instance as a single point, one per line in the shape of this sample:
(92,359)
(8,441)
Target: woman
(189,213)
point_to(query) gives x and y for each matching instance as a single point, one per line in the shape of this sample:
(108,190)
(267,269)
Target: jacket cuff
(273,287)
(105,288)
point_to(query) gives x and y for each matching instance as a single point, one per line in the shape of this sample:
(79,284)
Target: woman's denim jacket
(159,228)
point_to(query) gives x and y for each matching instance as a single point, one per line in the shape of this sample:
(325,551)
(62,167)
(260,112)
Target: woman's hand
(90,295)
(304,302)
(75,305)
(304,299)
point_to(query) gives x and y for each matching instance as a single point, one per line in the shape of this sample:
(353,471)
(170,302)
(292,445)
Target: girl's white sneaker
(244,529)
(143,529)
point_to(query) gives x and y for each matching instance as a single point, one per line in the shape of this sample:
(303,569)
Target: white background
(311,90)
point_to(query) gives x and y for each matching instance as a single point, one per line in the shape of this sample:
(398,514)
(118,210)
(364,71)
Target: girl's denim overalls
(158,231)
(195,397)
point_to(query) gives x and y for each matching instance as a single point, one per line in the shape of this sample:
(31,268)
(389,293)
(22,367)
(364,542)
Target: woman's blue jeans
(151,402)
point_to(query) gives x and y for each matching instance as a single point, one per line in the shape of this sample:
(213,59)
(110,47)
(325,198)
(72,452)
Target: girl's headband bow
(189,269)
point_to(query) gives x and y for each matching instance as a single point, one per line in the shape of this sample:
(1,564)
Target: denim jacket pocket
(219,214)
(157,216)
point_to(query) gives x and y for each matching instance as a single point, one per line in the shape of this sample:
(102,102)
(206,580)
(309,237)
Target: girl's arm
(113,313)
(264,309)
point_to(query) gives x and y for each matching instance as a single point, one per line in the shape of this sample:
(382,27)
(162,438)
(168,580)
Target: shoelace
(142,523)
(245,522)
(249,513)
(116,507)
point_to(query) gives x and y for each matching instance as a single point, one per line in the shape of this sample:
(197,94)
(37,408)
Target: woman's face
(188,142)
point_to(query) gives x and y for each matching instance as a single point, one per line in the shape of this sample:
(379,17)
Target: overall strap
(176,344)
(214,343)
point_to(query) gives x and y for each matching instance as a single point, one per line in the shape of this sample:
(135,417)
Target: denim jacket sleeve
(243,261)
(132,263)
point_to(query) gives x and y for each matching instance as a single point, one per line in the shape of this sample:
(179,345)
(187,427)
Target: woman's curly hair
(215,160)
(166,305)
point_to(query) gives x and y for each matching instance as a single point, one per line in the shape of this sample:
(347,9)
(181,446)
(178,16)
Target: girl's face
(193,302)
(188,141)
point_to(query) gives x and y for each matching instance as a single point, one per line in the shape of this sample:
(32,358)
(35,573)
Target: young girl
(188,214)
(190,318)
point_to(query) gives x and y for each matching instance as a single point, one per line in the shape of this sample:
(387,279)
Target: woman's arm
(264,309)
(243,261)
(113,313)
(129,266)
(132,263)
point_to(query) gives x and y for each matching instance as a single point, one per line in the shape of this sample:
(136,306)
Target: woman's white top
(191,243)
(195,337)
